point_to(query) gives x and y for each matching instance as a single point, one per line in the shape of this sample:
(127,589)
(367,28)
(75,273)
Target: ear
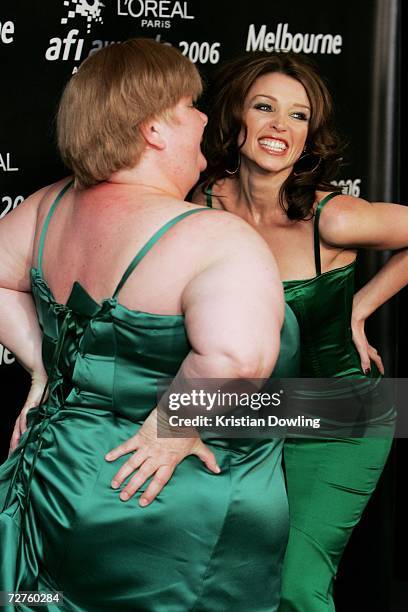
(154,133)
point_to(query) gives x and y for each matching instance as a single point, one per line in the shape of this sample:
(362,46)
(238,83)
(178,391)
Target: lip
(273,151)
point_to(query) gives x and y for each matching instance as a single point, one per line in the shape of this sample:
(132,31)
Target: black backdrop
(356,43)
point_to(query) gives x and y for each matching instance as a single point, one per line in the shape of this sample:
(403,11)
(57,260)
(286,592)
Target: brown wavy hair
(323,146)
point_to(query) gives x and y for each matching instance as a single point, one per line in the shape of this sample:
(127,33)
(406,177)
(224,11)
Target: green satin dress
(329,481)
(208,543)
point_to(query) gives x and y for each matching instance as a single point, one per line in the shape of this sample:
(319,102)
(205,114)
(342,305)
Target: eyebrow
(275,100)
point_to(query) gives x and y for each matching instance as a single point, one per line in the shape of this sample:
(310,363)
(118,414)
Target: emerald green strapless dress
(330,481)
(208,543)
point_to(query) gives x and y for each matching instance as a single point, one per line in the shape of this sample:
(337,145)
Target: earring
(232,172)
(303,153)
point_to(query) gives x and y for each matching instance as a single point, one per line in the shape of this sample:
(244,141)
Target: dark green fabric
(208,543)
(329,481)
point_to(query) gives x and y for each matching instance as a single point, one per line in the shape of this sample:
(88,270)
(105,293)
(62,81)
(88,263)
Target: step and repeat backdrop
(354,42)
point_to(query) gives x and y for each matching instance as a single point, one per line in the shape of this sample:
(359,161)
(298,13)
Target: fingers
(207,457)
(130,466)
(154,459)
(366,352)
(148,468)
(33,399)
(361,344)
(374,356)
(23,419)
(123,449)
(161,478)
(15,437)
(365,361)
(363,354)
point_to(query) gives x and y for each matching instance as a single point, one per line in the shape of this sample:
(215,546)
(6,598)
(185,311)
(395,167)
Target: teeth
(273,145)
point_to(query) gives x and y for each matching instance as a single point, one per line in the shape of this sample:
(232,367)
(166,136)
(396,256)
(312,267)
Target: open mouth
(273,145)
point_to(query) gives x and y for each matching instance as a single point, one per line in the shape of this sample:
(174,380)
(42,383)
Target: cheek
(301,137)
(248,135)
(242,138)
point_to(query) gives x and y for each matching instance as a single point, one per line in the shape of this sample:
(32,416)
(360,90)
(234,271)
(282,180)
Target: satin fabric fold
(209,542)
(329,481)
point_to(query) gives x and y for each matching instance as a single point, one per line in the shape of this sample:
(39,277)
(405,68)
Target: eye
(300,116)
(264,106)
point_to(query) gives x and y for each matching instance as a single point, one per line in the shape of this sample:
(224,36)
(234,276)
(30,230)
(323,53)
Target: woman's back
(104,362)
(93,348)
(94,234)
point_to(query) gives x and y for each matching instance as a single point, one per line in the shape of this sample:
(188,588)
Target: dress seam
(207,569)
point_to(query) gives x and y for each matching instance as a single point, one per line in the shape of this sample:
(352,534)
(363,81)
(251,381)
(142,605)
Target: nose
(278,121)
(204,118)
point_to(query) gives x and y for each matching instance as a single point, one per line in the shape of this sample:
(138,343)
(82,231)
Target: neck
(258,192)
(151,177)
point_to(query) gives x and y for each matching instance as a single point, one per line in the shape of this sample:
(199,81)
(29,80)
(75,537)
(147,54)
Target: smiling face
(276,115)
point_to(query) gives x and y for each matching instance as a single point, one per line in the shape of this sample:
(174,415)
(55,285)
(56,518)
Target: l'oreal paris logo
(158,9)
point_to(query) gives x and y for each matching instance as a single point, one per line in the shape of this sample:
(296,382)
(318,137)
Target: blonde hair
(115,91)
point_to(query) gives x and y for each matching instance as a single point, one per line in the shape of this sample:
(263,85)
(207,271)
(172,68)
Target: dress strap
(208,195)
(319,208)
(47,222)
(150,243)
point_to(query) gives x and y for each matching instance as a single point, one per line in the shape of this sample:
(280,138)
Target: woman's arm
(352,222)
(20,332)
(392,277)
(348,222)
(19,329)
(233,312)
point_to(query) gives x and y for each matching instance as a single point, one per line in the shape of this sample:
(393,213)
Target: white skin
(93,236)
(276,115)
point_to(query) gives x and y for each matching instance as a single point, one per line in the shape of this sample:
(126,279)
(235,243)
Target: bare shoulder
(44,196)
(32,205)
(340,216)
(24,217)
(233,238)
(224,221)
(220,232)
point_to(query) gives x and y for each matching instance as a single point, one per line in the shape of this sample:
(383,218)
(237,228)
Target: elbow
(253,364)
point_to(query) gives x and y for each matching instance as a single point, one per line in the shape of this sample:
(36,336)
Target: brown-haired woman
(272,153)
(129,131)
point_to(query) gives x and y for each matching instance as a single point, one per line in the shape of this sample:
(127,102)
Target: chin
(202,164)
(276,166)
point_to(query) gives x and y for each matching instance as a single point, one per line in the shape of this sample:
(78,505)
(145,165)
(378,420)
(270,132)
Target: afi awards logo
(91,11)
(74,45)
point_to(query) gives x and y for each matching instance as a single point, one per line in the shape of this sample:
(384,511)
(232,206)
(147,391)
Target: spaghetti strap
(47,222)
(150,243)
(316,240)
(208,195)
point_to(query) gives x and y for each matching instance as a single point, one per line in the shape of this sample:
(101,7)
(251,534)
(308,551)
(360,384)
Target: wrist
(176,429)
(360,311)
(39,375)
